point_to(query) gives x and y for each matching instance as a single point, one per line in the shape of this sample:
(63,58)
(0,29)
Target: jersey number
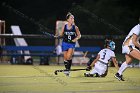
(104,55)
(69,37)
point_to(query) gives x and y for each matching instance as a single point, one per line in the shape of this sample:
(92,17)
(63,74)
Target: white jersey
(106,54)
(134,30)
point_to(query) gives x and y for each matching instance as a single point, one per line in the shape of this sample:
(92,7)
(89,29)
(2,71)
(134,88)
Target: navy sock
(69,64)
(66,63)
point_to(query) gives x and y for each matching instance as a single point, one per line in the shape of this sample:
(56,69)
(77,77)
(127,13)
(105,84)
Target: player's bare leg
(123,67)
(135,54)
(68,60)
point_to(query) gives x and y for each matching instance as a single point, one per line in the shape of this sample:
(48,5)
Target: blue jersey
(69,34)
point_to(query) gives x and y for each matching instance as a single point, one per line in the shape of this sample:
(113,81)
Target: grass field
(41,79)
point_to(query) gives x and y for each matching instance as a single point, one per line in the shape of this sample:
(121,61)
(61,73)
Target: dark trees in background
(92,16)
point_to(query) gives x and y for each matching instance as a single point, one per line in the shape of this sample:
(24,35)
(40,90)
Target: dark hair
(68,15)
(108,38)
(107,43)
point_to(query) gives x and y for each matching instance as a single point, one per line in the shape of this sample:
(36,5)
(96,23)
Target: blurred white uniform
(101,65)
(126,48)
(58,49)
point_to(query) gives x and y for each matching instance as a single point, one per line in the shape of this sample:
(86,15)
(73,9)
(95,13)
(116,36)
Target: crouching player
(101,62)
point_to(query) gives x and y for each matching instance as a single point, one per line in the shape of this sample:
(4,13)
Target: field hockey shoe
(119,77)
(67,73)
(88,75)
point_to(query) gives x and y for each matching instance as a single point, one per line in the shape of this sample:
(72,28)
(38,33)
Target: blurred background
(93,17)
(123,14)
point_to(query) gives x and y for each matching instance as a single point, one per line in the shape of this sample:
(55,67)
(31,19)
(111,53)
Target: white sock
(66,72)
(122,68)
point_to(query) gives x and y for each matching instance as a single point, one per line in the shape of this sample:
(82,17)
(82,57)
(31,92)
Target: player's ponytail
(106,44)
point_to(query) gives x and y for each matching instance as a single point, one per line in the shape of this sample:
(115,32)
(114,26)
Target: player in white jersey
(128,48)
(102,59)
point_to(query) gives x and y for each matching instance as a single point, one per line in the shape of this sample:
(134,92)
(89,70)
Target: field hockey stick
(56,71)
(85,54)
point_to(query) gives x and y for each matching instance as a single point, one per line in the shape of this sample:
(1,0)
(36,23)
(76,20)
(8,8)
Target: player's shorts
(127,49)
(100,67)
(66,46)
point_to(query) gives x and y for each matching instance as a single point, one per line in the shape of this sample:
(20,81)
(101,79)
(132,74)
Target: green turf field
(41,79)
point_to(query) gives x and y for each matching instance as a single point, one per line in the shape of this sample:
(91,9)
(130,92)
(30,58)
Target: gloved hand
(88,68)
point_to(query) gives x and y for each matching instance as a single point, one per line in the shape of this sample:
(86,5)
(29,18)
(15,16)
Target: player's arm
(115,62)
(95,60)
(78,34)
(135,40)
(61,34)
(93,63)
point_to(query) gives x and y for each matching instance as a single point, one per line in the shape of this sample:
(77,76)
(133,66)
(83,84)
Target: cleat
(88,75)
(122,78)
(119,77)
(85,74)
(67,73)
(97,75)
(55,72)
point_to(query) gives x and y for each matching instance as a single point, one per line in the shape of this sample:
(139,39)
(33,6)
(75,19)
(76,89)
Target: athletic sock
(122,68)
(66,63)
(69,64)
